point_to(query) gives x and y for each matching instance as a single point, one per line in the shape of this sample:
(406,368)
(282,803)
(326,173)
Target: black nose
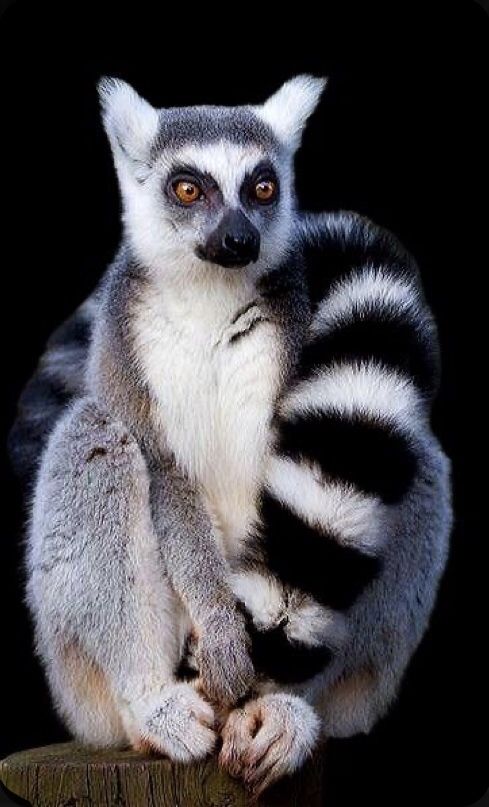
(235,241)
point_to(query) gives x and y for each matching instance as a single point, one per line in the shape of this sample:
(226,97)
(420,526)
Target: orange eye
(186,191)
(265,190)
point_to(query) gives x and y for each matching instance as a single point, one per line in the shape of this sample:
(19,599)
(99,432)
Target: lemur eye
(186,191)
(265,190)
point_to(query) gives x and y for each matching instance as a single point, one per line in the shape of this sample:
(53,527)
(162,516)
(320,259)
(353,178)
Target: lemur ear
(131,122)
(289,108)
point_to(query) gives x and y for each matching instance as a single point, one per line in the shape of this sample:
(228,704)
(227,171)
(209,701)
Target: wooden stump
(70,775)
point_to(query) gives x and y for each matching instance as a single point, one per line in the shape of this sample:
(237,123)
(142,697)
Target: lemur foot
(175,721)
(267,739)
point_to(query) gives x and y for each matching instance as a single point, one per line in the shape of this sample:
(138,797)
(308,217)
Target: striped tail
(347,436)
(58,377)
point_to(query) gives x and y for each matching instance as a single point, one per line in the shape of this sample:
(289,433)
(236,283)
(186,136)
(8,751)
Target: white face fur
(223,178)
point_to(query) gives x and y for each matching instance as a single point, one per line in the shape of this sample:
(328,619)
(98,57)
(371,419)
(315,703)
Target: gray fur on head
(142,131)
(226,145)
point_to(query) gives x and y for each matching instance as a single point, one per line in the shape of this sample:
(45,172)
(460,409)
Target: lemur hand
(225,667)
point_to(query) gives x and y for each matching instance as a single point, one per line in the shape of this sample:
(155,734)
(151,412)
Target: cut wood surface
(71,775)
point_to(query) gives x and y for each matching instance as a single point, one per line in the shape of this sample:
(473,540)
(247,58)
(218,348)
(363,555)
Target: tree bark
(70,775)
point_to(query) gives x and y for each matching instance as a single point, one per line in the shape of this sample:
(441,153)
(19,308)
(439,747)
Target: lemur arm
(191,558)
(200,576)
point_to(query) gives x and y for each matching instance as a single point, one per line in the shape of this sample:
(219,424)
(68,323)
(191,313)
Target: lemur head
(207,186)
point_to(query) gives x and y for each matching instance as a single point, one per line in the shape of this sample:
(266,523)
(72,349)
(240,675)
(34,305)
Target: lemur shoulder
(236,474)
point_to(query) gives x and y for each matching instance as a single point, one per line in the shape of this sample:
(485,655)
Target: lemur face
(226,201)
(207,187)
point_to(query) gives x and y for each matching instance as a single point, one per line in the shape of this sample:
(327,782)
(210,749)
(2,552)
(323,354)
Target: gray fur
(126,557)
(209,124)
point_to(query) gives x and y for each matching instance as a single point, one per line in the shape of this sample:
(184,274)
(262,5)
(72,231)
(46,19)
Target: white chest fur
(212,362)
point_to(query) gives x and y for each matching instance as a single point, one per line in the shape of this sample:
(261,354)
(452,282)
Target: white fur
(162,246)
(270,605)
(262,596)
(213,400)
(175,721)
(287,110)
(227,162)
(373,288)
(354,517)
(167,248)
(364,389)
(130,122)
(314,624)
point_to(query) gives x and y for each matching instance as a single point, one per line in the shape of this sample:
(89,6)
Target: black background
(401,136)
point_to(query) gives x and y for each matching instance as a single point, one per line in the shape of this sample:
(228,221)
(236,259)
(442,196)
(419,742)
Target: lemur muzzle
(235,242)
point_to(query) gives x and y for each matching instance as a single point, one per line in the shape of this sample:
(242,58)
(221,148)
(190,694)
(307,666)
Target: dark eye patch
(264,171)
(189,173)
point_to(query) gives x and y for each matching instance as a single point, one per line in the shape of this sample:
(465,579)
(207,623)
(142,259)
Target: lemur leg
(110,630)
(353,704)
(268,738)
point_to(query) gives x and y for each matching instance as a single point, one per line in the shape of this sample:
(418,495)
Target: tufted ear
(131,122)
(289,108)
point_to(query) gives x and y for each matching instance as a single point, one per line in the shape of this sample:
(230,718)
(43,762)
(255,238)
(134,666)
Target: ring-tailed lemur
(246,459)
